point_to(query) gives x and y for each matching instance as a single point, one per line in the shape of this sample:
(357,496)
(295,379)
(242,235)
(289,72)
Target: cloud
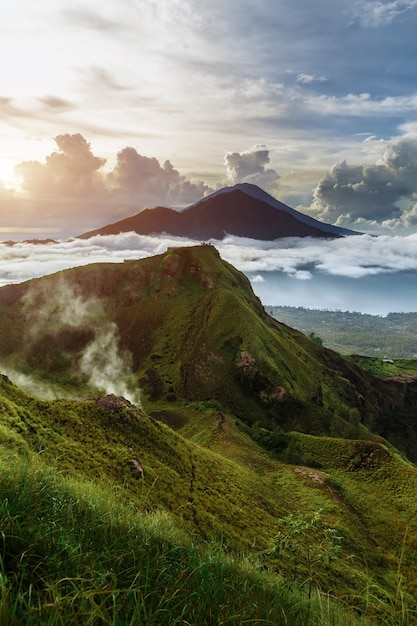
(258,278)
(376,14)
(354,256)
(380,194)
(138,176)
(72,191)
(55,103)
(13,112)
(251,166)
(159,70)
(359,104)
(72,171)
(86,18)
(361,273)
(306,79)
(103,81)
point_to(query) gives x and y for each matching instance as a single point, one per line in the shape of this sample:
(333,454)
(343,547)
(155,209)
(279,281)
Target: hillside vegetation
(183,326)
(203,464)
(112,546)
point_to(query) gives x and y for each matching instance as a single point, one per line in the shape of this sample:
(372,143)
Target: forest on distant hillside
(393,336)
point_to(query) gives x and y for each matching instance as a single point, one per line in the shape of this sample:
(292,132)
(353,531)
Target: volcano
(243,210)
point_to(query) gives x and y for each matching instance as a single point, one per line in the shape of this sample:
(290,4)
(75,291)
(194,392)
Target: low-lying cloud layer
(301,260)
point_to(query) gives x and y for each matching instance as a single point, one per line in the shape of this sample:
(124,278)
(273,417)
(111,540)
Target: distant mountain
(244,210)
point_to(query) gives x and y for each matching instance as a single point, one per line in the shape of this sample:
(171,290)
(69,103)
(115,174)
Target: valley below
(392,336)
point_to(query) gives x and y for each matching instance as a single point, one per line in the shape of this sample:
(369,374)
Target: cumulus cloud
(258,278)
(251,166)
(137,176)
(70,171)
(380,194)
(72,192)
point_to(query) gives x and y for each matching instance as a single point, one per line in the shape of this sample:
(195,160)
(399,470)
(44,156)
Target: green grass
(195,332)
(244,425)
(111,551)
(71,554)
(220,486)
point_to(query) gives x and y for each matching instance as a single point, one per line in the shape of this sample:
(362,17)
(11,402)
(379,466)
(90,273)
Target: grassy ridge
(70,554)
(195,331)
(254,440)
(83,540)
(189,328)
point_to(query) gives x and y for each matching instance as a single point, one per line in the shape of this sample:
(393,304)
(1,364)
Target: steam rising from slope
(101,362)
(106,367)
(33,386)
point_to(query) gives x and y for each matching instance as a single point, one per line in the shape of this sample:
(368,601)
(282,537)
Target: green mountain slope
(246,434)
(216,484)
(185,326)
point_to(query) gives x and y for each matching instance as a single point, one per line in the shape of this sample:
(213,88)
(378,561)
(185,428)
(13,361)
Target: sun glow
(8,180)
(14,150)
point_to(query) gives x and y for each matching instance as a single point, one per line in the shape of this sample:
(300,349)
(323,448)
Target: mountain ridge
(245,431)
(243,210)
(191,328)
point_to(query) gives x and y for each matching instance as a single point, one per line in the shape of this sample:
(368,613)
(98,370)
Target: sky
(108,108)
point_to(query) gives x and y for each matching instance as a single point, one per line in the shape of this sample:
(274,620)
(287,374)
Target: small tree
(316,338)
(303,544)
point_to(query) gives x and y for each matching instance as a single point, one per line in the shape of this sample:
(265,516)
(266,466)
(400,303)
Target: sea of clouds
(298,265)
